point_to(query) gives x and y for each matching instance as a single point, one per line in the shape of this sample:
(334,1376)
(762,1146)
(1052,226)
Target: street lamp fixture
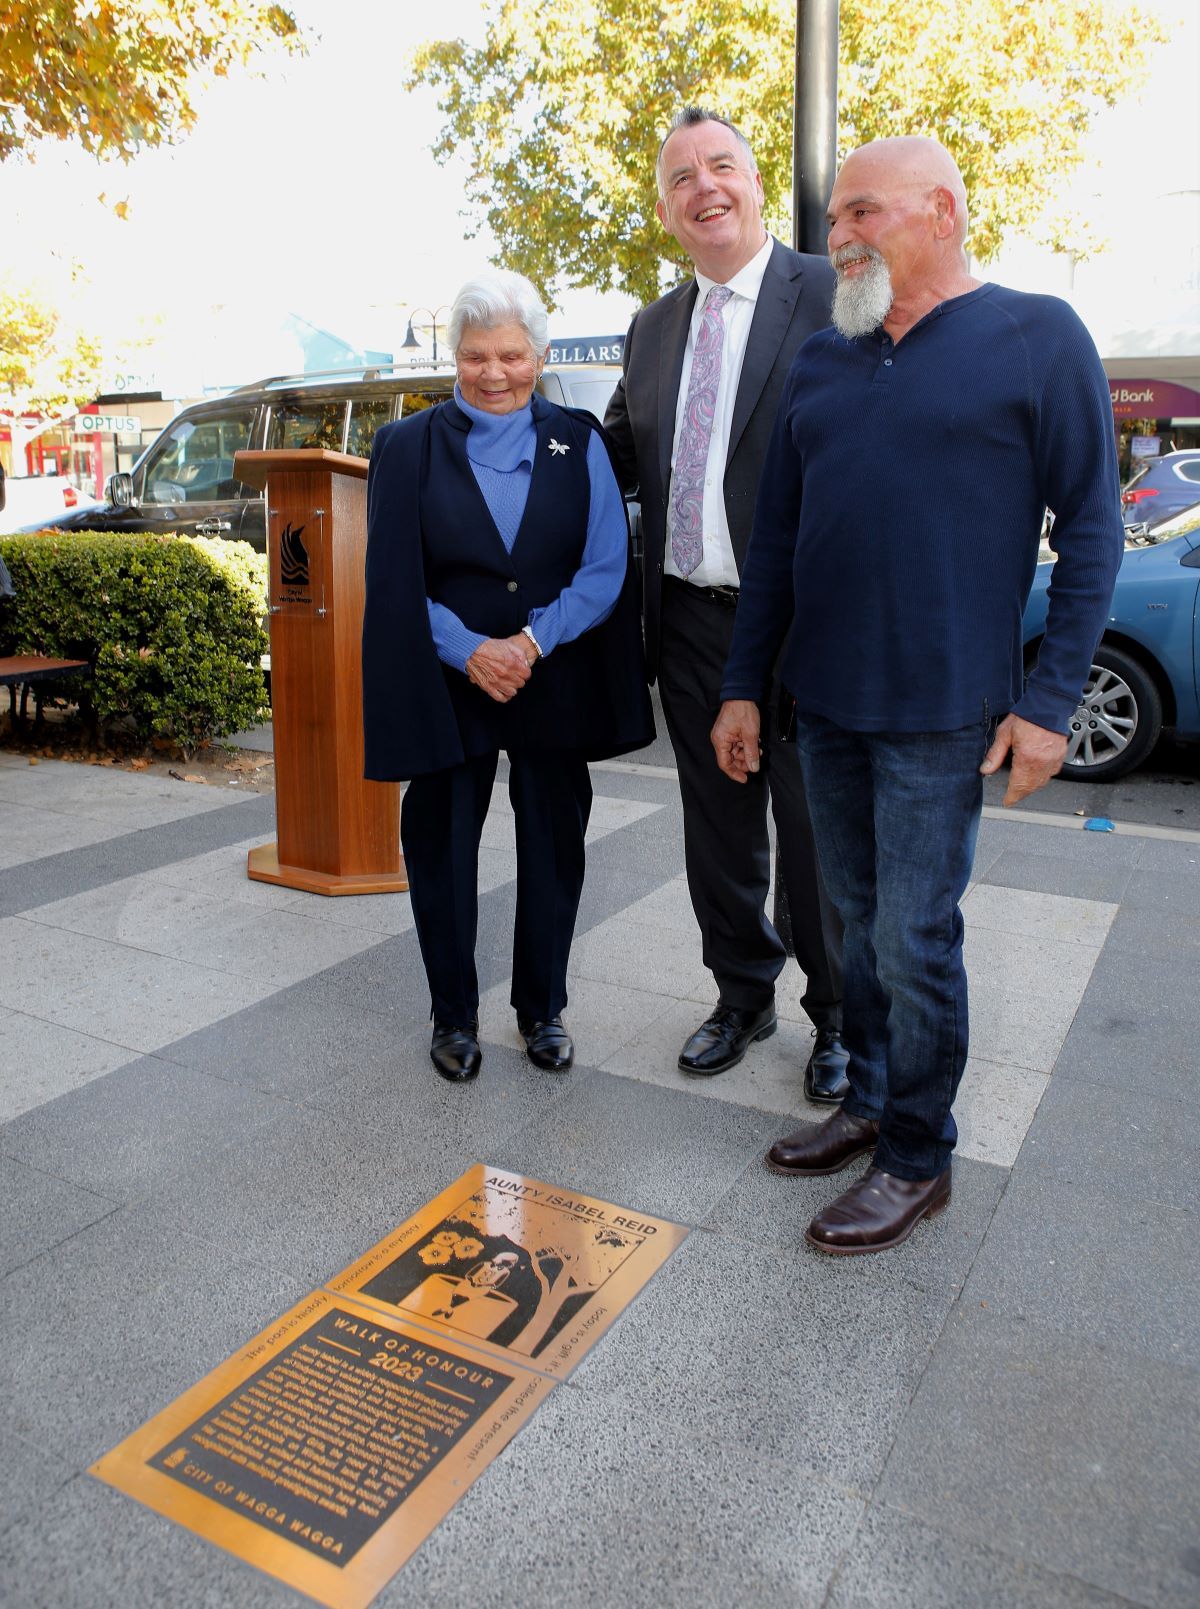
(410,341)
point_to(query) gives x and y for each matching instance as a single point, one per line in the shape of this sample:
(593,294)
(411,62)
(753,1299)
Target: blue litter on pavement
(1099,824)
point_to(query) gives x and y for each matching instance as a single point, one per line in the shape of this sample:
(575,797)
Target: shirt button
(887,363)
(512,586)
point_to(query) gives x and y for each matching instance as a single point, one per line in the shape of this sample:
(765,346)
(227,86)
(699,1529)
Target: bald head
(912,164)
(897,227)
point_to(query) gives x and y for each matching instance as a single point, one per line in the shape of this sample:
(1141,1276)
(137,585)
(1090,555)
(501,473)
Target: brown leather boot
(877,1212)
(824,1147)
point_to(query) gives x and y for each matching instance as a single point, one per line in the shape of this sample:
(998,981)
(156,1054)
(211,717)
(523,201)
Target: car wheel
(1117,722)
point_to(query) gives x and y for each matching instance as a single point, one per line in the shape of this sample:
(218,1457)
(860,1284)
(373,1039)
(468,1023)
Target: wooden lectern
(337,833)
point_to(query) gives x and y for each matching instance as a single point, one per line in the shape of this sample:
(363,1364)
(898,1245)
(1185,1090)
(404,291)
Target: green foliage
(560,111)
(117,75)
(171,625)
(45,366)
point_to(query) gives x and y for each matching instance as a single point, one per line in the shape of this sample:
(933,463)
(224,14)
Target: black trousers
(726,844)
(440,826)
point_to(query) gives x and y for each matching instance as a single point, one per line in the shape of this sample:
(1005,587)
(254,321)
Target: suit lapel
(670,366)
(772,314)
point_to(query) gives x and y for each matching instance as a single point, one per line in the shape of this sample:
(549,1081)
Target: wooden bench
(31,670)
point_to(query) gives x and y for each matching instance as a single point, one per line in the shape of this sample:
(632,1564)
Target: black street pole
(814,122)
(814,160)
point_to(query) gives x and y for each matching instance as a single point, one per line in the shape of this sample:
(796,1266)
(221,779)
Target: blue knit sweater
(898,517)
(500,448)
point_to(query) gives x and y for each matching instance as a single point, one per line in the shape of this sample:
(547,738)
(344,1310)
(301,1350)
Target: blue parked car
(1146,672)
(1162,486)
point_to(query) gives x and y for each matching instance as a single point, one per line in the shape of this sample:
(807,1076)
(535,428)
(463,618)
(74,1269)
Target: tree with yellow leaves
(559,111)
(119,75)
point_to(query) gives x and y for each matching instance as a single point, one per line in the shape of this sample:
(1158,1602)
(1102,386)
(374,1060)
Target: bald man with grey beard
(917,446)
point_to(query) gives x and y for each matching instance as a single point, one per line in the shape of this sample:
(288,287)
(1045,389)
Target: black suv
(184,481)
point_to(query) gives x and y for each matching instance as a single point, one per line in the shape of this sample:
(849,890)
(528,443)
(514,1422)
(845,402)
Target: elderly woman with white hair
(501,614)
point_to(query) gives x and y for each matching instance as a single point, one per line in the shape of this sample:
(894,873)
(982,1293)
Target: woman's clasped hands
(501,666)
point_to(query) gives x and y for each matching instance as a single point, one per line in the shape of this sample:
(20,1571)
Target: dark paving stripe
(76,871)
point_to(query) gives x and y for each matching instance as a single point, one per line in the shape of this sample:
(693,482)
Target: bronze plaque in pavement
(529,1271)
(328,1450)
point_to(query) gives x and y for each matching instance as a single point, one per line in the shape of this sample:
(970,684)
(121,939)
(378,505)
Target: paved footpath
(216,1094)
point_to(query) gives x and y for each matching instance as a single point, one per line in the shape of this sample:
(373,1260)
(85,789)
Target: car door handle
(212,527)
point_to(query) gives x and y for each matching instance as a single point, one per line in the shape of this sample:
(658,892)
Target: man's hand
(1037,755)
(500,667)
(735,738)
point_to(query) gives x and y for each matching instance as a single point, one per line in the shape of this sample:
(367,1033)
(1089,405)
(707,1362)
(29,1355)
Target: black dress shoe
(455,1052)
(547,1044)
(724,1038)
(825,1078)
(877,1212)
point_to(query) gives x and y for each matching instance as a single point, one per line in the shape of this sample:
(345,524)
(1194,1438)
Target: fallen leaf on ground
(139,765)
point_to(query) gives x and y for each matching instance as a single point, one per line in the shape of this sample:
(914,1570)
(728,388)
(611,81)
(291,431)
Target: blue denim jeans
(895,816)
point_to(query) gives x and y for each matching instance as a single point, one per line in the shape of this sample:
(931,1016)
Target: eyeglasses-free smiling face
(712,200)
(497,368)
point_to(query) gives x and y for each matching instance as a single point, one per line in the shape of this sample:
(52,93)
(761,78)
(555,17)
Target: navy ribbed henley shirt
(899,513)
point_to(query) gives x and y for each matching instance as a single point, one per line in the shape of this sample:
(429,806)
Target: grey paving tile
(768,1209)
(1024,992)
(600,1016)
(774,1353)
(1119,1270)
(132,1131)
(71,870)
(1089,849)
(309,1192)
(43,1060)
(658,1149)
(993,1109)
(94,1548)
(895,1559)
(296,1043)
(631,955)
(38,1210)
(1057,874)
(1164,855)
(402,1095)
(1075,1457)
(1170,892)
(1153,932)
(1136,1027)
(1131,1146)
(389,978)
(145,1001)
(698,1533)
(1038,915)
(30,1478)
(770,1078)
(108,1327)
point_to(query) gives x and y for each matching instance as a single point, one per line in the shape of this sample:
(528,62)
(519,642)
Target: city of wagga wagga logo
(293,558)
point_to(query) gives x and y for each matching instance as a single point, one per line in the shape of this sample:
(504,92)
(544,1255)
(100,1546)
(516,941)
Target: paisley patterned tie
(686,512)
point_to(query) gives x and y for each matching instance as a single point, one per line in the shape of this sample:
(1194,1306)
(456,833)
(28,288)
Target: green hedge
(172,627)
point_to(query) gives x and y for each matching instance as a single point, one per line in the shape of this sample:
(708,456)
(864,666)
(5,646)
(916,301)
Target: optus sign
(1153,399)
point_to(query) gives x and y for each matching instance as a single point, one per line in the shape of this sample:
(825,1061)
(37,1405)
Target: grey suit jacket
(794,302)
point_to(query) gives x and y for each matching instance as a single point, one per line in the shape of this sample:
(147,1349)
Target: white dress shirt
(718,568)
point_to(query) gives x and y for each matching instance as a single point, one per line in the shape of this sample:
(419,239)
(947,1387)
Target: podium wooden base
(262,866)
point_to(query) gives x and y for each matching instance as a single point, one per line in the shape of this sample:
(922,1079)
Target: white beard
(863,301)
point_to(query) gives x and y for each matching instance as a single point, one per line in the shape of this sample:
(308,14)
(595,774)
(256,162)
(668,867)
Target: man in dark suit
(691,419)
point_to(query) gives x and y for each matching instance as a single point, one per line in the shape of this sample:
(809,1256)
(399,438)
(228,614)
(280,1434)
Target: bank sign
(1153,399)
(588,349)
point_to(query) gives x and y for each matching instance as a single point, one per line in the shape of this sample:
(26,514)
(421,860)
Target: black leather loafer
(724,1038)
(825,1078)
(455,1052)
(547,1044)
